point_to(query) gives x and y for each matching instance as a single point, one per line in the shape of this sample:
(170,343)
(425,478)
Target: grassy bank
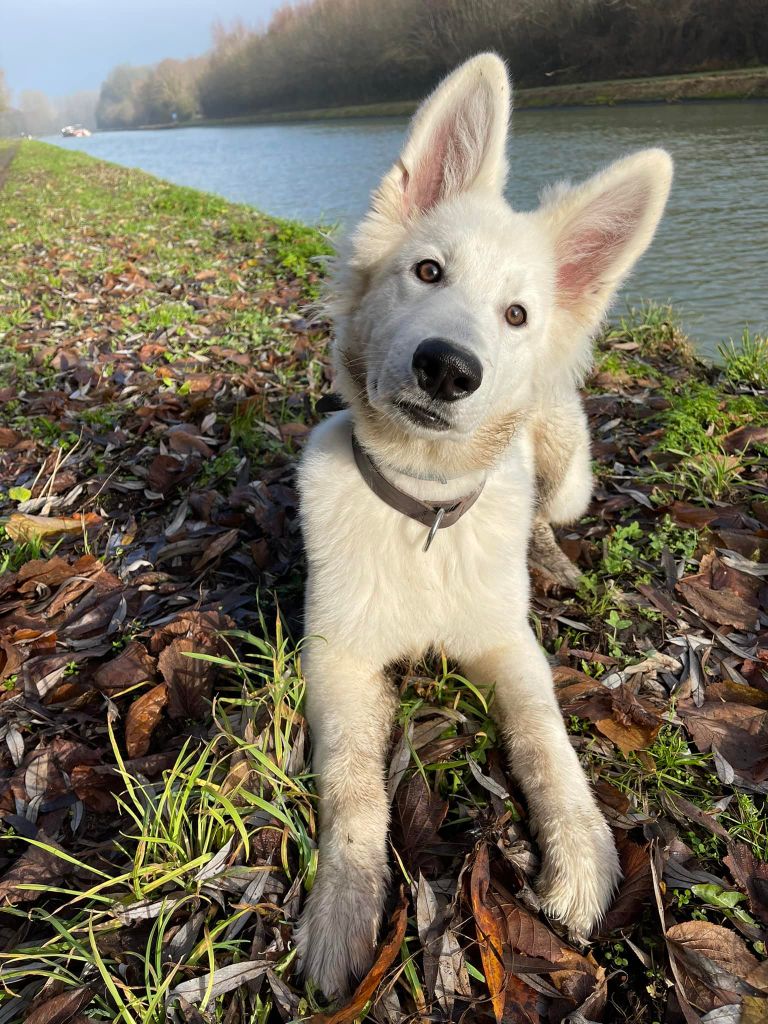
(7,151)
(157,380)
(743,84)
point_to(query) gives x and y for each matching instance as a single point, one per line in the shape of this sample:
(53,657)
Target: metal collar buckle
(434,528)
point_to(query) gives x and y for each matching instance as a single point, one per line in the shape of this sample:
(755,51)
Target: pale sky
(62,46)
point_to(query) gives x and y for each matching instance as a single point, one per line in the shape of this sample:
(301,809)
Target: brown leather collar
(434,515)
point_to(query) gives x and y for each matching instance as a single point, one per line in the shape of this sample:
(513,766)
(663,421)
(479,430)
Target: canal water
(710,257)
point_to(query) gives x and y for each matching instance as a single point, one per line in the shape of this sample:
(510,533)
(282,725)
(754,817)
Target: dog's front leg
(580,866)
(350,708)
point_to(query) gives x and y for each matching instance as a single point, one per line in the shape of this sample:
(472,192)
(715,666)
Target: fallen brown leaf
(166,472)
(62,1008)
(758,978)
(754,1010)
(631,722)
(35,866)
(143,718)
(22,527)
(628,736)
(751,875)
(684,811)
(184,440)
(738,731)
(720,595)
(744,437)
(189,680)
(530,939)
(725,690)
(490,932)
(96,785)
(11,659)
(49,572)
(636,890)
(685,514)
(419,812)
(715,955)
(132,666)
(8,437)
(216,548)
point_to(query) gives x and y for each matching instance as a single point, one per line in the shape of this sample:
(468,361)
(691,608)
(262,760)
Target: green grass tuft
(747,364)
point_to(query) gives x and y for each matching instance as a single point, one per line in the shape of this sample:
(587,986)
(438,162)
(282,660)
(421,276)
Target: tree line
(326,53)
(35,113)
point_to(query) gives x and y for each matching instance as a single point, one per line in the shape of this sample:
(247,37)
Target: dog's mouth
(421,416)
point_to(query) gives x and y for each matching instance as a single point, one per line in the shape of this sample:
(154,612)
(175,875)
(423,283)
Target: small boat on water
(75,131)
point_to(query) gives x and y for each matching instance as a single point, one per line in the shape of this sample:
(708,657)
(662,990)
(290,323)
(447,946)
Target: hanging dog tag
(435,527)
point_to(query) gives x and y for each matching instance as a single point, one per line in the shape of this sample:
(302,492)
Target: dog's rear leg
(564,488)
(581,868)
(548,560)
(350,708)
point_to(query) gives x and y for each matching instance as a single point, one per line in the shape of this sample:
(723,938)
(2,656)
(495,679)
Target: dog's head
(454,313)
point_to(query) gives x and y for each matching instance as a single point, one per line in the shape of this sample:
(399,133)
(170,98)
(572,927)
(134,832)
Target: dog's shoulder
(327,476)
(328,449)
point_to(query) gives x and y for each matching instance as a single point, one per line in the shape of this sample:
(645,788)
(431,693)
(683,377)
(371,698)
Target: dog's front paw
(336,936)
(581,872)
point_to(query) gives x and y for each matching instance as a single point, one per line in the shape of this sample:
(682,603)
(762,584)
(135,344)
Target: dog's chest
(369,574)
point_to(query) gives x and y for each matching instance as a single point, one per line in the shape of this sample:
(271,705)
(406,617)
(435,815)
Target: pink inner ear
(449,161)
(591,247)
(577,274)
(425,186)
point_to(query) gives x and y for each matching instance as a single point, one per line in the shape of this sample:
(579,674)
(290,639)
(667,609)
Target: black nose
(445,371)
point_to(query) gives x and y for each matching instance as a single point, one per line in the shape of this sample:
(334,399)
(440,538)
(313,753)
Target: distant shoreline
(697,86)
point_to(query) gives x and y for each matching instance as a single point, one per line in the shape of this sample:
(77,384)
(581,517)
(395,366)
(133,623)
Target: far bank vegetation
(332,53)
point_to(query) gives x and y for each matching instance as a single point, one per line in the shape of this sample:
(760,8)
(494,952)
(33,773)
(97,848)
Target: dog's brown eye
(428,271)
(516,316)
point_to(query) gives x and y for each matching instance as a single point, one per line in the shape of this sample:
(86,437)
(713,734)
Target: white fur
(373,595)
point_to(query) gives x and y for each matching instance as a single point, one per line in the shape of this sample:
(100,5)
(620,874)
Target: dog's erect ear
(456,143)
(602,227)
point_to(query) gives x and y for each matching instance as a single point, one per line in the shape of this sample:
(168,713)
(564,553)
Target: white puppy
(462,332)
